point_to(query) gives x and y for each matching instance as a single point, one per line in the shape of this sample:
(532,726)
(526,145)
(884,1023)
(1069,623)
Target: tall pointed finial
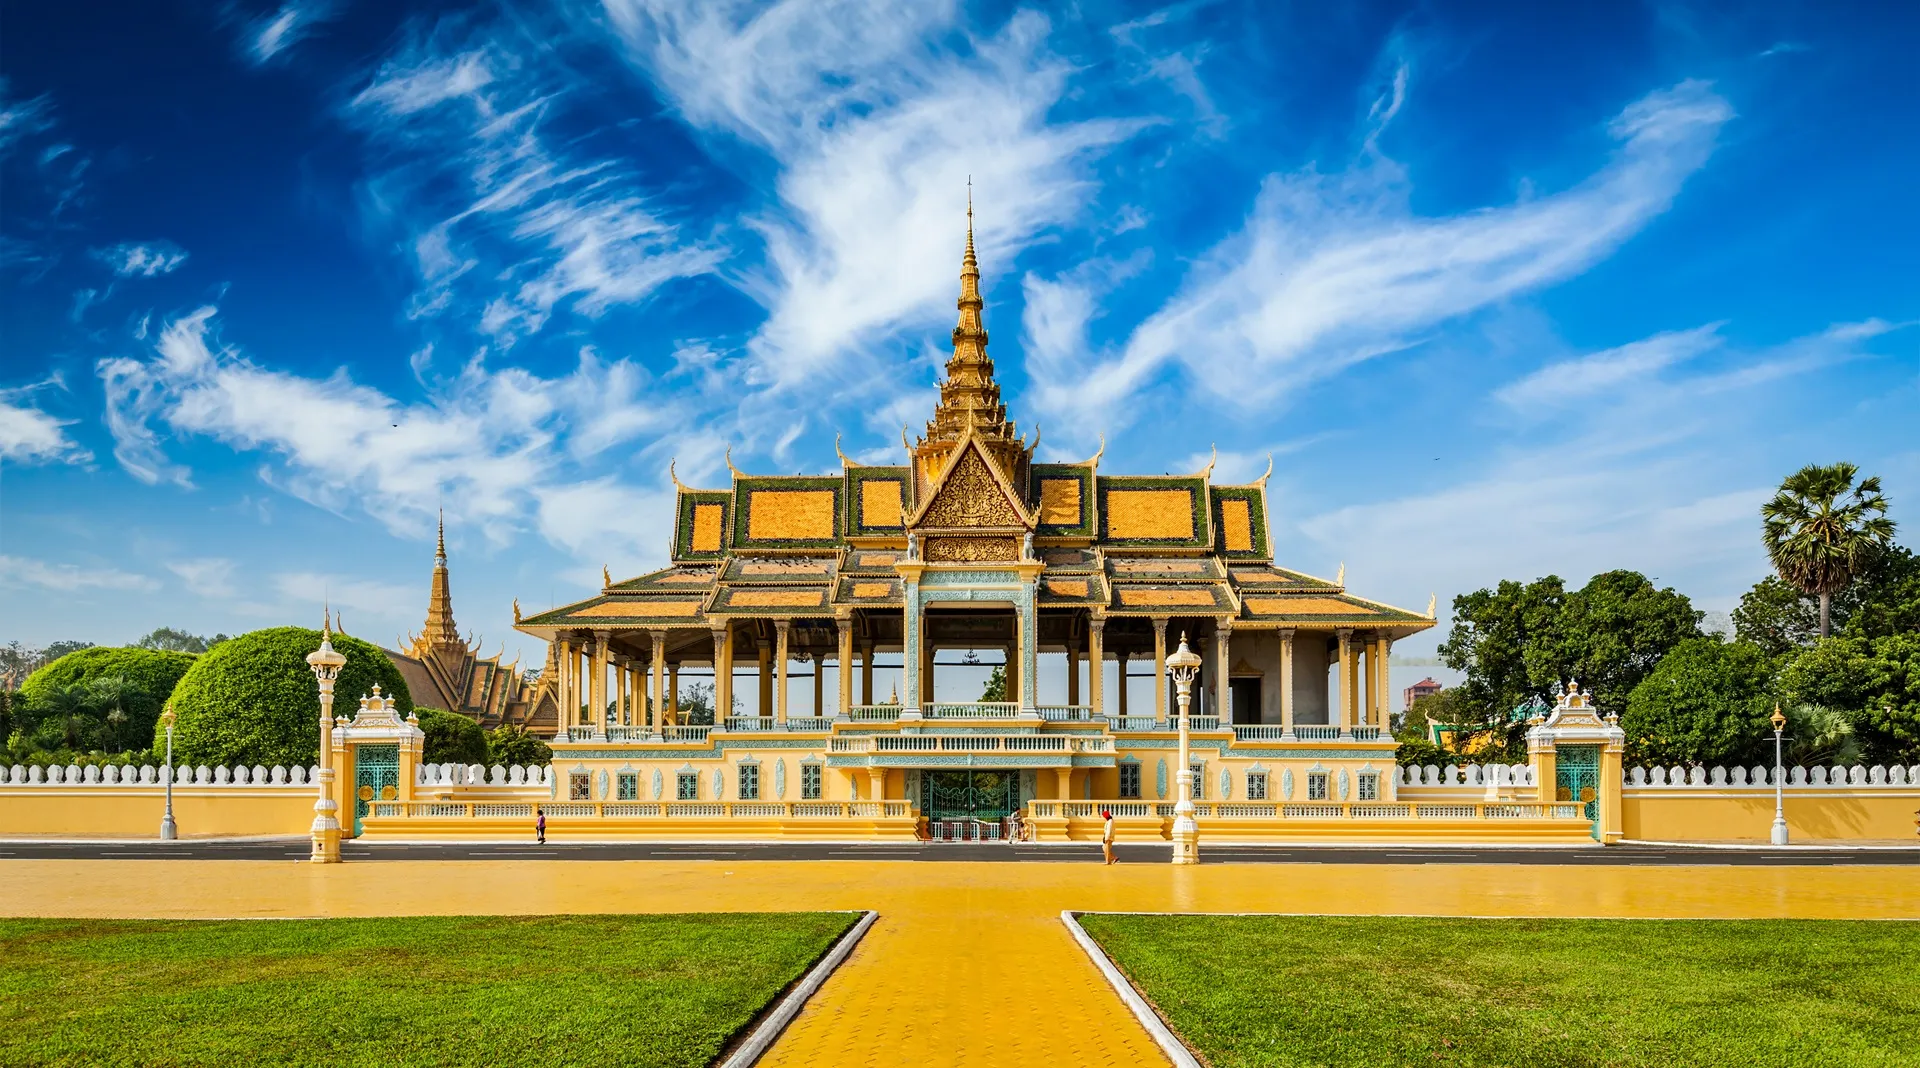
(326,624)
(440,548)
(1340,579)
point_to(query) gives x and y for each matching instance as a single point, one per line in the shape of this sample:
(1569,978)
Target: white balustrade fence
(481,775)
(132,775)
(1761,777)
(1470,776)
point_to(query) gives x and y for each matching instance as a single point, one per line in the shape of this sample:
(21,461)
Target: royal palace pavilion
(972,544)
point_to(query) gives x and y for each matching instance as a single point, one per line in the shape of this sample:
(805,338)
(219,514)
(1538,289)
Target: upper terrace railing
(643,809)
(972,710)
(874,713)
(972,743)
(1065,713)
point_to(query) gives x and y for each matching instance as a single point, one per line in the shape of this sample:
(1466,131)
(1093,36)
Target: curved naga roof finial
(737,473)
(1036,440)
(1207,471)
(606,576)
(516,610)
(1433,600)
(844,461)
(677,484)
(1262,480)
(1340,578)
(904,443)
(1102,451)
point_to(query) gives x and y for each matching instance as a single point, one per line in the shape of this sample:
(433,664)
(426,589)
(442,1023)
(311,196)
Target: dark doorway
(1246,699)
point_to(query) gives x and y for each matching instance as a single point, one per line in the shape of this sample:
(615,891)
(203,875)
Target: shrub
(451,738)
(252,699)
(150,674)
(511,743)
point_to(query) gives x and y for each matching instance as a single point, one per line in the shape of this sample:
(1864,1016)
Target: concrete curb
(1163,1036)
(762,1037)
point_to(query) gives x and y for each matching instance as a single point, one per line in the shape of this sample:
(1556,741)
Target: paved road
(281,849)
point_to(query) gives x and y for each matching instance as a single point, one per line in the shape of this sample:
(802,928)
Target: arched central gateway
(972,551)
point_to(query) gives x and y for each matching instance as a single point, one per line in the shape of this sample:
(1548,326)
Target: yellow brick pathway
(969,964)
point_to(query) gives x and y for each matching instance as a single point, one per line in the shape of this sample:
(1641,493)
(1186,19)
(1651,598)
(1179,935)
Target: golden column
(1384,708)
(597,719)
(844,654)
(780,628)
(926,665)
(659,676)
(722,679)
(1096,663)
(1159,671)
(1286,685)
(622,698)
(1120,657)
(1346,680)
(1370,652)
(673,690)
(563,688)
(1223,672)
(1073,669)
(819,682)
(766,676)
(866,672)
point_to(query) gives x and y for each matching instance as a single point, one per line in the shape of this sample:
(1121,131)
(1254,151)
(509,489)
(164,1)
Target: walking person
(1106,834)
(539,825)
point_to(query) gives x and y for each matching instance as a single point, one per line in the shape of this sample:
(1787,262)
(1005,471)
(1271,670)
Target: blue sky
(1504,289)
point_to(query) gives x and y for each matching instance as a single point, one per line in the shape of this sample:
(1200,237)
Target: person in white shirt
(1106,834)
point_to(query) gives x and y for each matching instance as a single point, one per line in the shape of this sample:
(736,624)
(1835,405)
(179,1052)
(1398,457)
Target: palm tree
(113,692)
(72,706)
(1820,526)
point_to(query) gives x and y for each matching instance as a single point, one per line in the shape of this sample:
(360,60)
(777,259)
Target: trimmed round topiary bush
(451,738)
(150,674)
(253,700)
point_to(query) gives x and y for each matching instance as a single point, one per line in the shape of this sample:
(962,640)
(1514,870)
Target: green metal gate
(1576,777)
(969,795)
(376,776)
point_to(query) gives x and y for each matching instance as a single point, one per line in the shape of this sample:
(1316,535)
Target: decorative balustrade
(1758,777)
(1245,810)
(1470,776)
(149,775)
(581,810)
(1258,732)
(971,743)
(1134,723)
(972,710)
(750,723)
(1366,734)
(1316,732)
(873,713)
(1065,713)
(481,775)
(809,724)
(684,734)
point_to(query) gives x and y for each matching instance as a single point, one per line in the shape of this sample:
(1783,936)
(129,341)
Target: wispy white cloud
(387,601)
(206,576)
(1579,381)
(501,213)
(1330,270)
(263,38)
(20,119)
(494,446)
(133,259)
(29,435)
(68,578)
(876,113)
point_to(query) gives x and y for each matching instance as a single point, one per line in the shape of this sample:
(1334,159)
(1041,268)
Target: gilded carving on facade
(971,550)
(971,498)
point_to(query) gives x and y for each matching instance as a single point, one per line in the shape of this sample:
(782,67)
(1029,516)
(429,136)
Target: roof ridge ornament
(737,473)
(1262,480)
(1094,462)
(844,461)
(675,476)
(1207,471)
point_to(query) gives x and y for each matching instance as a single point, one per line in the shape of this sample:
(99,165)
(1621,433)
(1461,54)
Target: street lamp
(326,665)
(1184,664)
(1779,837)
(168,829)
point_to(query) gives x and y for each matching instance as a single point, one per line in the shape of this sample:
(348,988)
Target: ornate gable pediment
(972,494)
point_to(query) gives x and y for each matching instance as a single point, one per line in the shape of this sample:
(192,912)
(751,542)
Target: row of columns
(1362,686)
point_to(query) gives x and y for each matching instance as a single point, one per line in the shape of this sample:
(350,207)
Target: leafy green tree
(178,641)
(111,694)
(996,688)
(1819,528)
(1519,643)
(149,677)
(696,704)
(1884,598)
(1709,702)
(451,738)
(253,700)
(1874,682)
(68,711)
(511,743)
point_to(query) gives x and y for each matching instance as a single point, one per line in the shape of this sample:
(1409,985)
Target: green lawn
(476,990)
(1274,990)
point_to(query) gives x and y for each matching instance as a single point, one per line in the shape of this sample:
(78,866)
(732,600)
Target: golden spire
(969,396)
(440,628)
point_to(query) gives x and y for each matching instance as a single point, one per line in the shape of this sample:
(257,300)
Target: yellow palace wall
(1864,814)
(88,810)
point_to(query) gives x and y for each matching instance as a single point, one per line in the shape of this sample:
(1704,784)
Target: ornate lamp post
(1779,836)
(326,665)
(168,829)
(1184,664)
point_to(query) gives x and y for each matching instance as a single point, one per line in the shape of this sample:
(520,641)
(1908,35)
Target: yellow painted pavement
(968,964)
